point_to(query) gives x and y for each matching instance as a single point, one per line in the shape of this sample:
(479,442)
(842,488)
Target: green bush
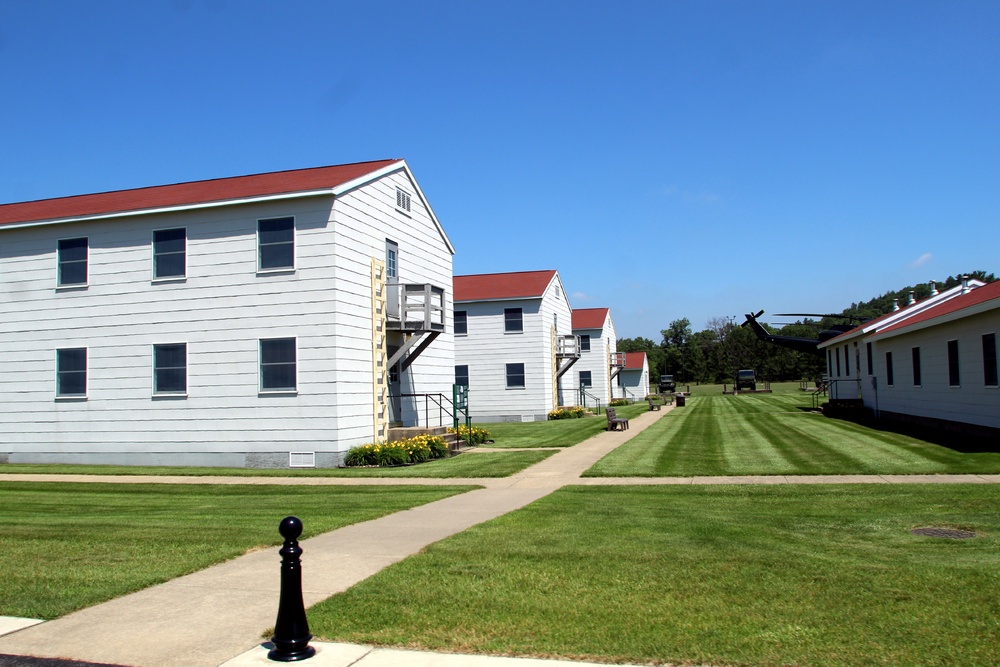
(574,412)
(478,435)
(417,449)
(617,402)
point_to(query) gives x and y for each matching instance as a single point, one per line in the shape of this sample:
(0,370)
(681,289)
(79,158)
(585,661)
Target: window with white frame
(71,372)
(72,262)
(391,260)
(276,244)
(513,321)
(170,368)
(889,374)
(461,322)
(169,253)
(515,376)
(585,342)
(586,379)
(402,200)
(462,375)
(277,365)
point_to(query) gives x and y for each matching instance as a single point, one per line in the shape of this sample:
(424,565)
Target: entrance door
(395,402)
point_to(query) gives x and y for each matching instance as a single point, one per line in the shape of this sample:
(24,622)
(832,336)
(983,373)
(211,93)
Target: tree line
(714,354)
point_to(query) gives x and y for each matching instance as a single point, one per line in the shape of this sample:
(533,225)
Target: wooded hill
(714,354)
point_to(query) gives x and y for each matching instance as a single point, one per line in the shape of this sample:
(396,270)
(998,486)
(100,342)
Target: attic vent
(402,200)
(301,459)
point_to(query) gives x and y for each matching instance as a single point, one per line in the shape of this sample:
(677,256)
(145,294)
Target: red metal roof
(184,194)
(972,298)
(634,361)
(590,318)
(490,286)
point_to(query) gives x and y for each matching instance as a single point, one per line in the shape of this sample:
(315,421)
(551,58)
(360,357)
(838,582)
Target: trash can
(680,399)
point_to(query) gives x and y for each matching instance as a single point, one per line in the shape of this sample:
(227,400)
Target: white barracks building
(248,321)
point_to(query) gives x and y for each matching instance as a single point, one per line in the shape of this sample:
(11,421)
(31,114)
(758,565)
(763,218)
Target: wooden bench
(653,404)
(615,423)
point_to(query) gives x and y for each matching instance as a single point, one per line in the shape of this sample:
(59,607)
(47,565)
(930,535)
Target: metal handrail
(437,399)
(584,394)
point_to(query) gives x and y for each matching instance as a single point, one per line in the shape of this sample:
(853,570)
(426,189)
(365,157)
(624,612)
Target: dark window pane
(171,380)
(916,366)
(169,265)
(73,262)
(279,230)
(512,320)
(277,367)
(169,240)
(170,368)
(990,360)
(585,378)
(72,250)
(277,243)
(461,322)
(71,372)
(585,343)
(278,351)
(462,375)
(889,379)
(169,252)
(953,372)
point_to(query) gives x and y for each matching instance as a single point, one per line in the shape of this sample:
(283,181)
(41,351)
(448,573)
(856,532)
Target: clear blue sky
(670,159)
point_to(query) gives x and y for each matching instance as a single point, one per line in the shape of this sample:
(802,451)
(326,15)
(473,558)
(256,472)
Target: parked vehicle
(667,383)
(746,379)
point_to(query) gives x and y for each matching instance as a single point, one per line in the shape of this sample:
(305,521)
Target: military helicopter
(795,343)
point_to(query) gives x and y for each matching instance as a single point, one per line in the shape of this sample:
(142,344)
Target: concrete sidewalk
(205,618)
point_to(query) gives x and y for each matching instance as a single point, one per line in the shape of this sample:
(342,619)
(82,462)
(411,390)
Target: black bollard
(291,630)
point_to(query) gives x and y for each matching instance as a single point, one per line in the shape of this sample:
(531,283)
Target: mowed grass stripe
(748,448)
(774,434)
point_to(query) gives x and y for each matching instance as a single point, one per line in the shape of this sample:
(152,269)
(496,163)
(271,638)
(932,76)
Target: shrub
(616,402)
(401,452)
(478,435)
(574,412)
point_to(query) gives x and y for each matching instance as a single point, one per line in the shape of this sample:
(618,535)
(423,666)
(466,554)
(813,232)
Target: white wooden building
(247,321)
(633,378)
(598,345)
(931,362)
(514,344)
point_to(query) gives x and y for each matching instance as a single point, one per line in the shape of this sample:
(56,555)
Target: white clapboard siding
(220,310)
(971,402)
(603,342)
(487,349)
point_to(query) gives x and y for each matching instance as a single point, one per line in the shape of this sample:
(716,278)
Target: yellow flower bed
(417,449)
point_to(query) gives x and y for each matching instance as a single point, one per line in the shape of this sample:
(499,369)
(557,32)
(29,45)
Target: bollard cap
(290,527)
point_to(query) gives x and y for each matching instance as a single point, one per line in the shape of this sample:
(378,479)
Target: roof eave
(171,209)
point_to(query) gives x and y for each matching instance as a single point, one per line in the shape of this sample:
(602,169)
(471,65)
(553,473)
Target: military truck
(745,379)
(667,383)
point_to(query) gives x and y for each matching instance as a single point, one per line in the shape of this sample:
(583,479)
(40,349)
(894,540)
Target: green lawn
(67,546)
(498,464)
(764,576)
(773,434)
(555,433)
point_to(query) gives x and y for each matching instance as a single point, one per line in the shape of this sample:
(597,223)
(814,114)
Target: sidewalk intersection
(206,618)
